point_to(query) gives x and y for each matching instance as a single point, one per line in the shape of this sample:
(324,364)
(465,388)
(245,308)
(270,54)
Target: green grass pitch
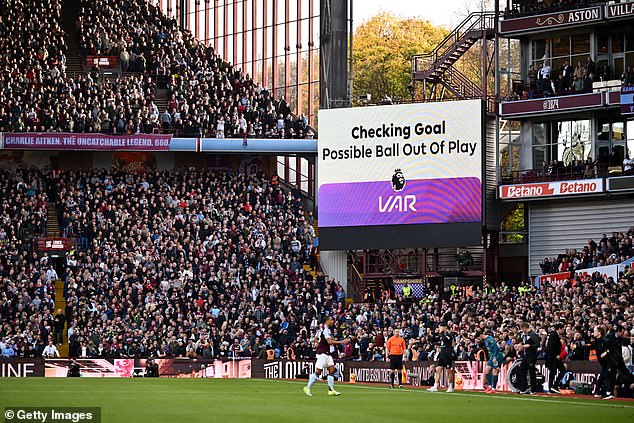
(250,400)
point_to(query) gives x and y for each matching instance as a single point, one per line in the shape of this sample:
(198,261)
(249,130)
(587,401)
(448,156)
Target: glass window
(573,141)
(581,44)
(618,133)
(540,50)
(629,41)
(539,133)
(603,131)
(630,138)
(602,43)
(629,60)
(566,141)
(539,157)
(561,46)
(617,43)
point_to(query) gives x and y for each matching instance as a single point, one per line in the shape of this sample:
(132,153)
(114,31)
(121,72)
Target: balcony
(556,180)
(529,100)
(529,16)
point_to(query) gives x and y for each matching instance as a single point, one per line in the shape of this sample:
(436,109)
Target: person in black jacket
(605,381)
(554,364)
(530,342)
(615,344)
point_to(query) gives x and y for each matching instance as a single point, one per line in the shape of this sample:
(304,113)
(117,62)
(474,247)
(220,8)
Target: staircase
(60,304)
(52,231)
(161,99)
(436,67)
(52,222)
(69,17)
(306,267)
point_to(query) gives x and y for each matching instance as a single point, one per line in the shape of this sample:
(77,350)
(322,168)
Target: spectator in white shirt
(51,274)
(628,165)
(50,351)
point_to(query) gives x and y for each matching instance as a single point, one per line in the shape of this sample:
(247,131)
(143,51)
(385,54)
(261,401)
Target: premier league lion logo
(398,180)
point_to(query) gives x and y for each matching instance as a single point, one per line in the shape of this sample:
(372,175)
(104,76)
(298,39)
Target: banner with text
(558,279)
(86,142)
(21,367)
(551,189)
(469,374)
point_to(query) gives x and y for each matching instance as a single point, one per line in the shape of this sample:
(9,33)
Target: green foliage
(383,47)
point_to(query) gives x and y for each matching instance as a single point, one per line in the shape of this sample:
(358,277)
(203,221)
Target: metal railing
(466,87)
(477,21)
(356,282)
(560,174)
(513,237)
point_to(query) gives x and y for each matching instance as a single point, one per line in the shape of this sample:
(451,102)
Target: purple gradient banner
(453,200)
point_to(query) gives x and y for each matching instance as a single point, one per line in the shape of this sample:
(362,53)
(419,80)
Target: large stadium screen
(400,176)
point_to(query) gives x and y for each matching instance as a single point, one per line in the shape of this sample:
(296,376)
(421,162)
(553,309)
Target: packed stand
(27,281)
(202,264)
(207,96)
(184,259)
(614,249)
(32,64)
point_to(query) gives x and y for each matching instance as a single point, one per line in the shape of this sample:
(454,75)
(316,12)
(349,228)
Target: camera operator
(151,369)
(529,343)
(73,369)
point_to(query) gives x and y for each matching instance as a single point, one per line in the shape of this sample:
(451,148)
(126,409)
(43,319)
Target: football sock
(488,379)
(312,380)
(400,378)
(495,381)
(391,378)
(331,382)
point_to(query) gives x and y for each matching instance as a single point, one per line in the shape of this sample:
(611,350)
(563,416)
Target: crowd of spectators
(546,81)
(567,79)
(207,97)
(27,289)
(173,259)
(201,264)
(32,63)
(612,249)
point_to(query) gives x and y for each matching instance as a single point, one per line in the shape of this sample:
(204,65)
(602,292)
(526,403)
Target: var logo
(399,203)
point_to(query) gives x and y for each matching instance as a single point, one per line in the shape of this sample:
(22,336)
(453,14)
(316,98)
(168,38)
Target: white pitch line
(476,394)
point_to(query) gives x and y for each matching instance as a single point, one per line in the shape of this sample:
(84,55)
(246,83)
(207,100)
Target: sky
(439,12)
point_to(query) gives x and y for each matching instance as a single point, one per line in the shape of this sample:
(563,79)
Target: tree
(514,224)
(382,52)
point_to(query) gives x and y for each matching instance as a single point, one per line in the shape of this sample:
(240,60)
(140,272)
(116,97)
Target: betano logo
(551,189)
(399,203)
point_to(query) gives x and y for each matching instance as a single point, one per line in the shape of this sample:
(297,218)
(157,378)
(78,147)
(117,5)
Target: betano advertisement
(388,166)
(551,189)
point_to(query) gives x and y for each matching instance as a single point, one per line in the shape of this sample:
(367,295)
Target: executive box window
(615,141)
(615,49)
(567,141)
(557,50)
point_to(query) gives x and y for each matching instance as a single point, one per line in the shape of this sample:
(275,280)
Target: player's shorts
(396,362)
(324,361)
(445,361)
(499,359)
